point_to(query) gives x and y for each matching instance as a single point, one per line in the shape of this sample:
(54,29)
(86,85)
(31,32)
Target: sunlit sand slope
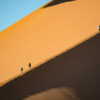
(74,74)
(45,33)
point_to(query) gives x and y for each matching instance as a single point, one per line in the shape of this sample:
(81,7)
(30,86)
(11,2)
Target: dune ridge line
(32,68)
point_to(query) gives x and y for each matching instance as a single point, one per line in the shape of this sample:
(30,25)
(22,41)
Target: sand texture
(73,75)
(58,28)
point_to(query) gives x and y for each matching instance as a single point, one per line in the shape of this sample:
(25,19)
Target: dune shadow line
(56,2)
(77,68)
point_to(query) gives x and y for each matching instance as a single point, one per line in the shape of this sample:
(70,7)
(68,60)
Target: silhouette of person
(99,28)
(29,65)
(21,70)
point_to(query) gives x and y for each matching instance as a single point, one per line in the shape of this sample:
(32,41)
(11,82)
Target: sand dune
(74,74)
(46,33)
(50,31)
(55,94)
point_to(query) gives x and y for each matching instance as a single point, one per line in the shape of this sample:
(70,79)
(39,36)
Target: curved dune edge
(29,14)
(55,94)
(47,4)
(5,82)
(32,12)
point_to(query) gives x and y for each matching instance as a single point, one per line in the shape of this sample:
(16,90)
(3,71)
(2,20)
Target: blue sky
(13,10)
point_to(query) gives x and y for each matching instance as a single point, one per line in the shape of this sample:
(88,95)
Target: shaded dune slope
(55,2)
(78,68)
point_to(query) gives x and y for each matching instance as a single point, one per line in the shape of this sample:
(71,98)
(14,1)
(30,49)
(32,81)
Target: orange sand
(46,33)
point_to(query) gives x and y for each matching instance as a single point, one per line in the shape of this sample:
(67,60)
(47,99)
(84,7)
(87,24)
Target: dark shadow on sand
(56,2)
(78,68)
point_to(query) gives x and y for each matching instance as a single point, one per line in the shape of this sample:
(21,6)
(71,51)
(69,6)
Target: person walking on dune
(29,65)
(99,28)
(21,70)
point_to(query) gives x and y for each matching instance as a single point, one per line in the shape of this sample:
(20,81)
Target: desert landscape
(61,40)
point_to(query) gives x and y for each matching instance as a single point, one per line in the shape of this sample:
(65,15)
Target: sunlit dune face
(46,33)
(55,94)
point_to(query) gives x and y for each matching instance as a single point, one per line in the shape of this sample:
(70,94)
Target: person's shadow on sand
(55,2)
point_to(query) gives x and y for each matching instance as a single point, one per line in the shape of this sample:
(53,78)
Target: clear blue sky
(13,10)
